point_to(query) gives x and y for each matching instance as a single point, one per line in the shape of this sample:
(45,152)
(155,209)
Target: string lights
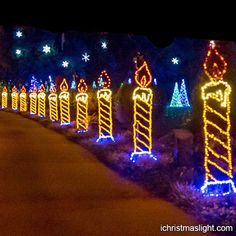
(64,98)
(14,98)
(82,107)
(216,118)
(53,104)
(33,101)
(142,126)
(104,96)
(4,97)
(23,102)
(42,101)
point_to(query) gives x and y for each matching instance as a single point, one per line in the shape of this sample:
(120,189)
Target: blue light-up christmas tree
(183,95)
(176,101)
(73,85)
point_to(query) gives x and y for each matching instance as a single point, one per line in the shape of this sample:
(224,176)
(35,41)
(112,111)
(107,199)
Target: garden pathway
(51,186)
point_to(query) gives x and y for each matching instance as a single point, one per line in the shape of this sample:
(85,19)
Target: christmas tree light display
(53,104)
(23,102)
(216,118)
(176,101)
(104,96)
(14,98)
(4,97)
(42,101)
(82,107)
(183,95)
(142,126)
(33,101)
(94,86)
(64,98)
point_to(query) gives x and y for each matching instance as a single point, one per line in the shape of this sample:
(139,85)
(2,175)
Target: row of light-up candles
(59,106)
(215,94)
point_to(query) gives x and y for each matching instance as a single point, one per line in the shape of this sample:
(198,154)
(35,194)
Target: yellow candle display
(142,126)
(216,118)
(104,97)
(53,104)
(82,107)
(23,102)
(14,98)
(64,103)
(33,101)
(42,101)
(4,97)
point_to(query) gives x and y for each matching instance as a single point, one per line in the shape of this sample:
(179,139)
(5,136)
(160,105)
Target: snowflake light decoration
(65,64)
(46,49)
(85,57)
(19,34)
(104,45)
(175,60)
(18,52)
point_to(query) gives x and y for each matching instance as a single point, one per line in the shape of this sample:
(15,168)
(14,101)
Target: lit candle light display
(53,104)
(33,101)
(42,101)
(23,101)
(216,118)
(4,97)
(104,97)
(142,126)
(82,107)
(64,97)
(14,98)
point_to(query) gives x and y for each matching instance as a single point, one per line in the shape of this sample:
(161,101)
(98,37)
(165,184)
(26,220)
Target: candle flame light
(42,88)
(23,89)
(4,90)
(143,76)
(82,86)
(216,118)
(64,86)
(105,78)
(52,88)
(214,65)
(14,89)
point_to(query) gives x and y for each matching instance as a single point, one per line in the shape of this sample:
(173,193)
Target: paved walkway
(51,186)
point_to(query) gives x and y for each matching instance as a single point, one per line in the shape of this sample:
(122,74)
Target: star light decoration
(19,34)
(175,60)
(65,64)
(85,57)
(46,49)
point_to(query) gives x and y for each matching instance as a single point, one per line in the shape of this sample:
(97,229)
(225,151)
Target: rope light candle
(33,101)
(64,98)
(142,126)
(23,101)
(104,96)
(82,107)
(4,97)
(217,125)
(53,104)
(14,98)
(42,101)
